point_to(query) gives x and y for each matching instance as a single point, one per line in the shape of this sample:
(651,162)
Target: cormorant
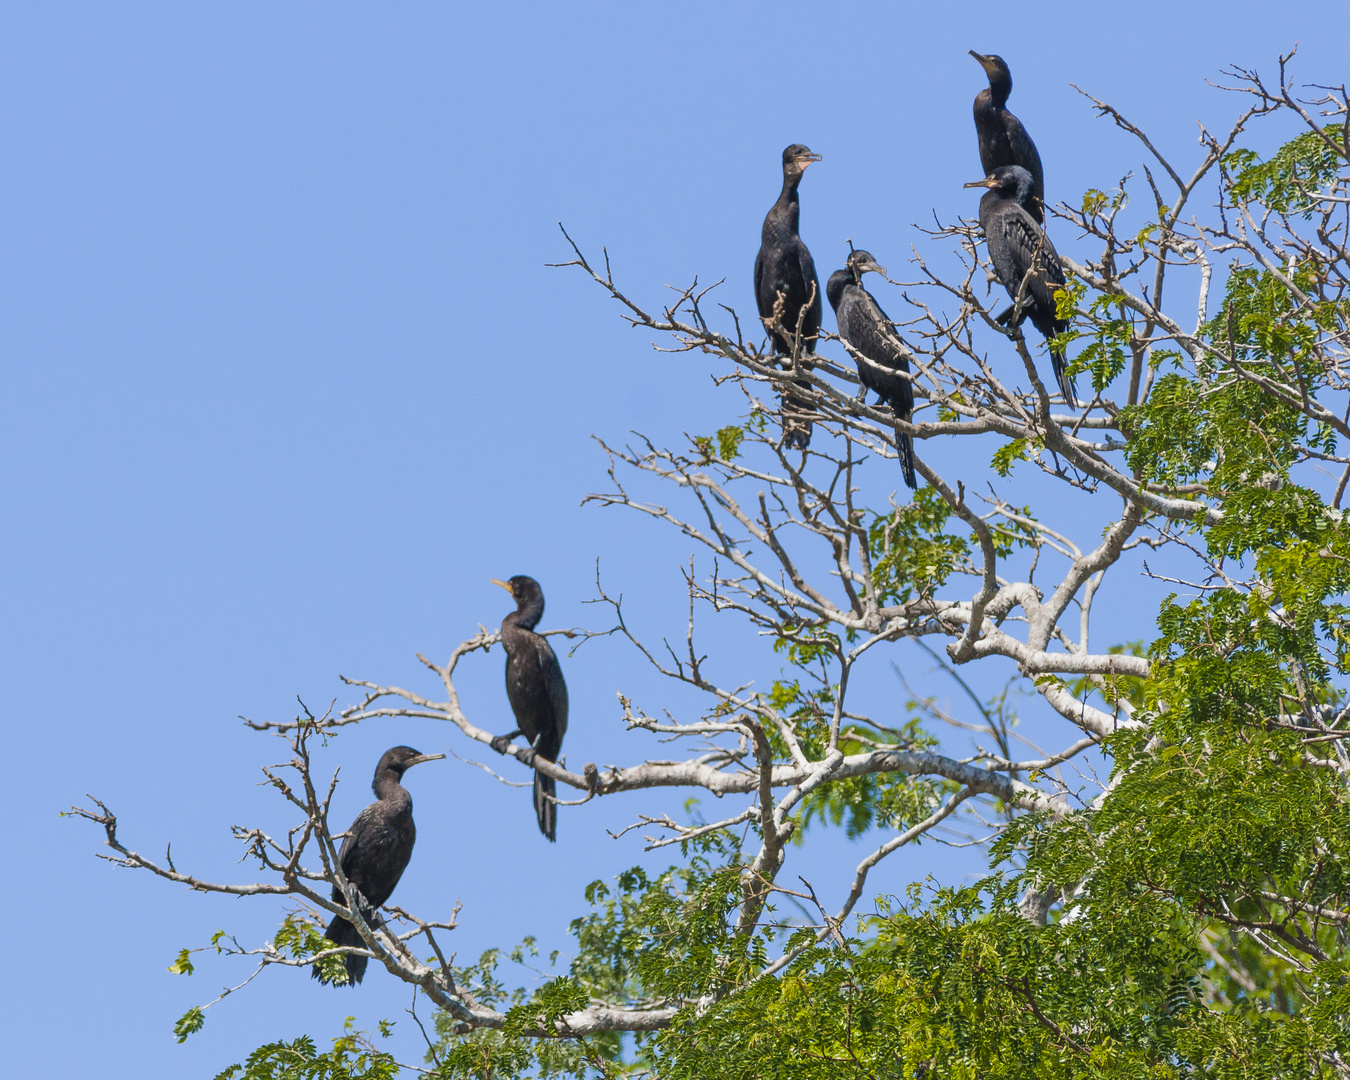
(536,690)
(784,266)
(376,851)
(865,327)
(1003,139)
(1016,245)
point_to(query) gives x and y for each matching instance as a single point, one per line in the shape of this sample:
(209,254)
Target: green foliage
(808,645)
(182,964)
(351,1058)
(729,442)
(298,938)
(1108,350)
(646,936)
(961,986)
(1007,455)
(1229,432)
(1285,183)
(189,1023)
(1098,204)
(859,803)
(726,443)
(1010,535)
(1170,441)
(911,555)
(862,803)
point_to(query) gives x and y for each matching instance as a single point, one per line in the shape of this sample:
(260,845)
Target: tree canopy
(1167,892)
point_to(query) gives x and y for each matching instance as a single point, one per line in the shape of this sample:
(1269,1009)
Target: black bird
(865,327)
(784,266)
(376,852)
(1003,139)
(536,690)
(1018,245)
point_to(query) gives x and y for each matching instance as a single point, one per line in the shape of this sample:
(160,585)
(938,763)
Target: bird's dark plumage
(865,327)
(1003,139)
(376,851)
(1018,245)
(535,689)
(784,267)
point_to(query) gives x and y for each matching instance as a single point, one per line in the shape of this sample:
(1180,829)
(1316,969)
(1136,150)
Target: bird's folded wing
(555,686)
(1030,247)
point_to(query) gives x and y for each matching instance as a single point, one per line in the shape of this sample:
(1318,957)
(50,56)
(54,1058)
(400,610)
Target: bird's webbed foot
(528,759)
(1005,318)
(501,742)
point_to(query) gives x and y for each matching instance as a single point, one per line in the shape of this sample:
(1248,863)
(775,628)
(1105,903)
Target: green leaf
(729,442)
(1007,455)
(189,1023)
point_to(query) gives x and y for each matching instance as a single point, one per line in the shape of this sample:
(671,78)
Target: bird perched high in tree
(877,349)
(1021,252)
(785,278)
(1003,139)
(535,689)
(376,852)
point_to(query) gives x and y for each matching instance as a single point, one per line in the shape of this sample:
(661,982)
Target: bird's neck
(787,209)
(1000,86)
(988,201)
(527,617)
(387,788)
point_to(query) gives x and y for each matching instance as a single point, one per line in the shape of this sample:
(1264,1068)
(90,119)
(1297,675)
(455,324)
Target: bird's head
(523,589)
(1000,78)
(1010,181)
(399,759)
(860,262)
(796,158)
(529,598)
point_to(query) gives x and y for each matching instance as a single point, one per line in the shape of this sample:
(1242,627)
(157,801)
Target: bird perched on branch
(1021,252)
(535,689)
(375,853)
(1003,139)
(877,348)
(786,286)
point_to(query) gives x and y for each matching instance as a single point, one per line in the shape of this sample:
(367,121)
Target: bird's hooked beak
(421,758)
(871,264)
(984,61)
(504,585)
(805,159)
(988,182)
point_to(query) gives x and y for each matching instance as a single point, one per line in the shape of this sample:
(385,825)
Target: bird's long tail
(796,420)
(905,445)
(902,408)
(545,809)
(797,411)
(341,932)
(1066,387)
(1050,329)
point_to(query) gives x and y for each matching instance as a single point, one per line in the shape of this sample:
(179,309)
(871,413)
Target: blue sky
(287,381)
